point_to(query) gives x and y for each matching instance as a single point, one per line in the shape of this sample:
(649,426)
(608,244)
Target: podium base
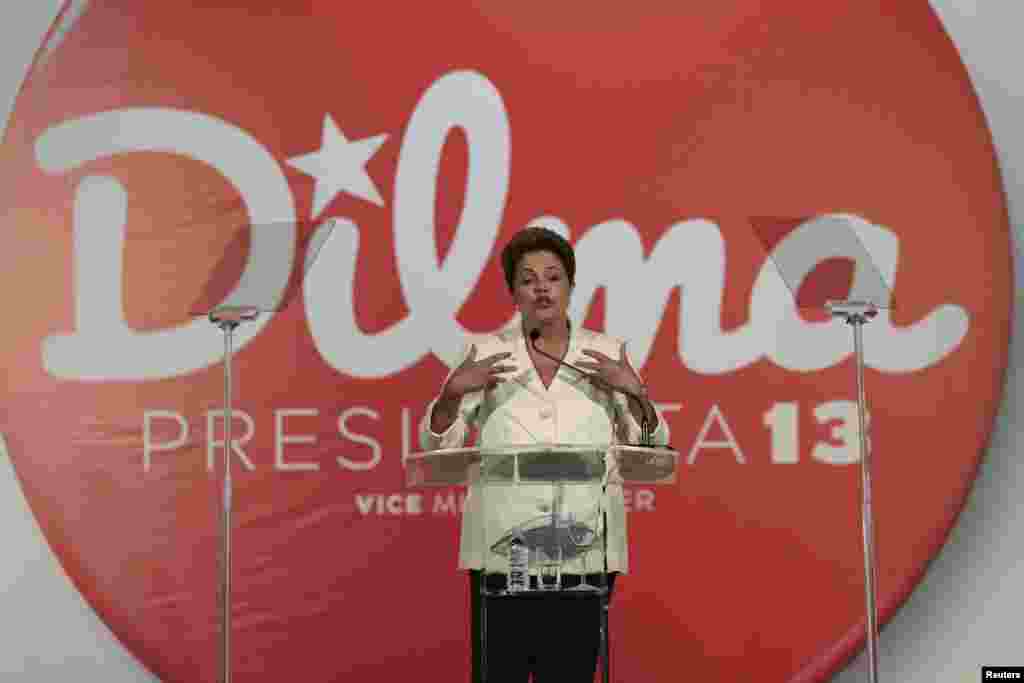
(573,585)
(561,634)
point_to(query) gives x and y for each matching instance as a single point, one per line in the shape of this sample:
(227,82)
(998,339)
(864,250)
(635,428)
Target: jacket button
(546,413)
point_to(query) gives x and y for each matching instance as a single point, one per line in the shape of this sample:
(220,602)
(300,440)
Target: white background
(967,611)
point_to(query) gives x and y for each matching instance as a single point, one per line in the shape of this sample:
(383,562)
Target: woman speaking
(541,382)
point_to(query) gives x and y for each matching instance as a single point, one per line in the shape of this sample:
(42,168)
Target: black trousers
(553,637)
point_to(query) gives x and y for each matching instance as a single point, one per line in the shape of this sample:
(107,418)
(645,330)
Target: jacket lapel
(526,376)
(529,379)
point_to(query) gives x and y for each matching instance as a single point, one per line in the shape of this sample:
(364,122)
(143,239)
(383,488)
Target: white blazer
(521,411)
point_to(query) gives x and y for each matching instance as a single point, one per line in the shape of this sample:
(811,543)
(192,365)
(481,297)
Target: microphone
(646,433)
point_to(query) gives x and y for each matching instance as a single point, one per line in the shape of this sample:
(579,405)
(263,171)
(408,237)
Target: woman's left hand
(610,373)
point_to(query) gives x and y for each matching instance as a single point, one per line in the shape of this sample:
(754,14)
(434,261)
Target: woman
(514,394)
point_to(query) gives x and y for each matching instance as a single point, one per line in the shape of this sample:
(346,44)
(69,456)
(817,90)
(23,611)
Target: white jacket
(521,411)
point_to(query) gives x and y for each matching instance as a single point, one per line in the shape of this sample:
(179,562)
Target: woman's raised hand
(611,373)
(474,375)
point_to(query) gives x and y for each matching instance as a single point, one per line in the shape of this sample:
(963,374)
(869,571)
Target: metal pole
(483,597)
(227,318)
(856,313)
(225,622)
(605,654)
(867,525)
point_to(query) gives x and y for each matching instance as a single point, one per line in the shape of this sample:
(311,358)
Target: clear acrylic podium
(551,499)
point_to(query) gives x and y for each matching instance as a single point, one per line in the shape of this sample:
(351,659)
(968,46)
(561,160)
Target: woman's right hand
(474,375)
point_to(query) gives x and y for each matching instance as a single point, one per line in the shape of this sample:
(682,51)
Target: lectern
(547,502)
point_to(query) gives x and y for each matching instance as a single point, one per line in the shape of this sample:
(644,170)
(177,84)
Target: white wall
(965,613)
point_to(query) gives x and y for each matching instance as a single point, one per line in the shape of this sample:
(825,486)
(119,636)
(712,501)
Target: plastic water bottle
(518,565)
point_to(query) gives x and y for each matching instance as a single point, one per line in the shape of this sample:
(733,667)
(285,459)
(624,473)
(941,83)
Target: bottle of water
(518,565)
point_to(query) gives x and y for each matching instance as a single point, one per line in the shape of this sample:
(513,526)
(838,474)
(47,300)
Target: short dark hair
(533,239)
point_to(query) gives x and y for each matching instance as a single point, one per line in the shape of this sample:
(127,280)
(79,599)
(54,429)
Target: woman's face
(541,288)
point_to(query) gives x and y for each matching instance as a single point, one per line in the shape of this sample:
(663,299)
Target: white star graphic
(340,165)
